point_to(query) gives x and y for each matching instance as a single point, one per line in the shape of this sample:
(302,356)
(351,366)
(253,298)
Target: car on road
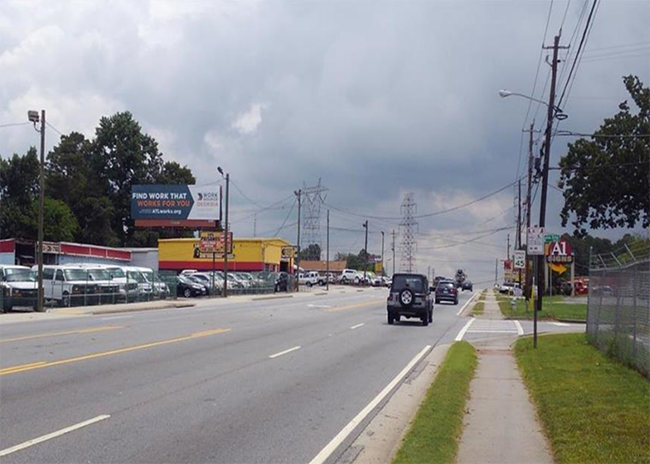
(410,296)
(189,288)
(446,291)
(467,285)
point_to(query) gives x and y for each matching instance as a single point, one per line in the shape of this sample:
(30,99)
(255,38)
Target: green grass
(478,308)
(593,409)
(553,308)
(436,430)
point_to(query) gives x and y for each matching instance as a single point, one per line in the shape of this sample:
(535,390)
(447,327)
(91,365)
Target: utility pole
(383,271)
(365,247)
(298,193)
(393,249)
(529,187)
(518,239)
(508,248)
(255,225)
(41,197)
(225,240)
(496,271)
(327,254)
(550,116)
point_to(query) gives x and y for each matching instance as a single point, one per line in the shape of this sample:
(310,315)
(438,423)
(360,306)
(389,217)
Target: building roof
(321,266)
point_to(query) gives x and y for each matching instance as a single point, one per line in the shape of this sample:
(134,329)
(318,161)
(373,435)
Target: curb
(132,310)
(571,321)
(262,298)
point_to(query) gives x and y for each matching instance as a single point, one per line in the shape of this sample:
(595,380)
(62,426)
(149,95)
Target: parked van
(108,290)
(69,285)
(159,288)
(18,288)
(128,289)
(145,288)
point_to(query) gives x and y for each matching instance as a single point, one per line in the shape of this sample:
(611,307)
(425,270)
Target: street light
(225,241)
(559,114)
(33,117)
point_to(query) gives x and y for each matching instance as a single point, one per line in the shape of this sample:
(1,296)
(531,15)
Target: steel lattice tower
(312,199)
(408,228)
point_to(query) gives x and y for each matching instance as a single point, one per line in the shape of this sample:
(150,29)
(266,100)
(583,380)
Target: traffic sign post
(535,241)
(520,259)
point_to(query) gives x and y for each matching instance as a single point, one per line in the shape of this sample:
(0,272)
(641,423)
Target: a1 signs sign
(558,255)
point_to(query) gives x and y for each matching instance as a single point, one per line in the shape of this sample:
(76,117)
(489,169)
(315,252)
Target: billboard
(174,202)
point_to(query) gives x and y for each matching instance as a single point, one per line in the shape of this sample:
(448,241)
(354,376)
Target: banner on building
(213,242)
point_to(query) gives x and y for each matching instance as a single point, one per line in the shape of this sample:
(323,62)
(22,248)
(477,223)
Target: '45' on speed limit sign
(520,259)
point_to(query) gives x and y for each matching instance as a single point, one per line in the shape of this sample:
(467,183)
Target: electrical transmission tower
(408,228)
(312,200)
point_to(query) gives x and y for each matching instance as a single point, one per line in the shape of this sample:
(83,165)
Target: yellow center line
(42,364)
(356,305)
(69,332)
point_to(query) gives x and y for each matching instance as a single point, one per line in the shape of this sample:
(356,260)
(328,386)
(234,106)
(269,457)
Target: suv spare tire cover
(406,297)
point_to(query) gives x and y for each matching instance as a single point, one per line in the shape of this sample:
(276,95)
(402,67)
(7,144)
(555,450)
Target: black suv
(446,291)
(410,296)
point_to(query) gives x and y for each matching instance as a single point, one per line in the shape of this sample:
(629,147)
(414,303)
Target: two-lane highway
(262,381)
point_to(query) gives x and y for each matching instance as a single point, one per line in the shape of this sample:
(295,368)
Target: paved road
(263,381)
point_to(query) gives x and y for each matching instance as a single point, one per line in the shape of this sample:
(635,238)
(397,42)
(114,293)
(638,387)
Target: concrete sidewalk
(500,424)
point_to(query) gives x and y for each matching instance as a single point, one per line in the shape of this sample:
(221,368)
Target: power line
(426,215)
(54,129)
(580,48)
(15,124)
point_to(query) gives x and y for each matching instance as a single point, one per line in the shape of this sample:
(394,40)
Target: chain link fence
(618,316)
(69,286)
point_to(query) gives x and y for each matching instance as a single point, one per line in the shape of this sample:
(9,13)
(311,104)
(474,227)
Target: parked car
(350,276)
(410,296)
(281,282)
(467,285)
(446,291)
(188,288)
(18,287)
(309,278)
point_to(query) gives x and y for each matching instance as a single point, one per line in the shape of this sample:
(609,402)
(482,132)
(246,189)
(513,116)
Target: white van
(18,287)
(69,285)
(160,288)
(128,289)
(108,289)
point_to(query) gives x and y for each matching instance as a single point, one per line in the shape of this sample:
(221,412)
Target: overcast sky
(377,99)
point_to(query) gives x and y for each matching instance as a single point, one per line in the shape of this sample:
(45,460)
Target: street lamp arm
(559,114)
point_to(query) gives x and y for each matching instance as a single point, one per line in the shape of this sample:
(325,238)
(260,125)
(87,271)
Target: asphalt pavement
(236,382)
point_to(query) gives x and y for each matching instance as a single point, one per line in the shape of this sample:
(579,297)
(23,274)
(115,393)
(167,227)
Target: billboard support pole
(225,243)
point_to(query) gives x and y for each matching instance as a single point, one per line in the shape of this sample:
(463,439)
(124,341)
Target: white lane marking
(560,324)
(49,436)
(465,305)
(357,326)
(326,452)
(115,317)
(461,334)
(318,306)
(520,329)
(284,352)
(492,331)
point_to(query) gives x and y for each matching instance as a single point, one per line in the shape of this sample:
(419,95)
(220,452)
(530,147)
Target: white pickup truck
(309,278)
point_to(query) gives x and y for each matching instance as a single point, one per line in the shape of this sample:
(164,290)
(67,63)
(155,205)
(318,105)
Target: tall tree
(71,179)
(606,179)
(123,156)
(311,253)
(59,223)
(18,191)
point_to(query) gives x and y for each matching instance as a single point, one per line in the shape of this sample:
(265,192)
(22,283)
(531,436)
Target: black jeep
(410,296)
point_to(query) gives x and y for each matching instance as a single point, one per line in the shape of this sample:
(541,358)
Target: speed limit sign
(520,259)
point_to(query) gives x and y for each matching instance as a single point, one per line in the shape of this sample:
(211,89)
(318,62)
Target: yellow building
(248,254)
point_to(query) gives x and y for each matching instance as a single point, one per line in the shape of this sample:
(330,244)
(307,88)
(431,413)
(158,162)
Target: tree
(606,179)
(174,173)
(71,180)
(59,223)
(585,246)
(311,253)
(18,191)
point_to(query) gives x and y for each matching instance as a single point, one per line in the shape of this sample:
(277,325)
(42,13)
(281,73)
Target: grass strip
(593,408)
(553,308)
(478,308)
(436,430)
